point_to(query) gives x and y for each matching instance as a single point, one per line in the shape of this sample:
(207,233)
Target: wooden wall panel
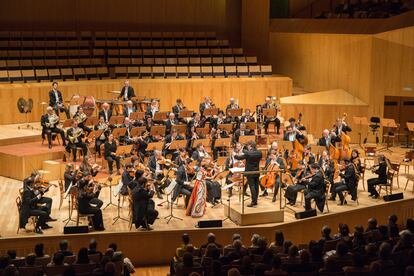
(249,91)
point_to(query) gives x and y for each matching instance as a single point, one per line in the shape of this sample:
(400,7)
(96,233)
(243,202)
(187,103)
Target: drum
(88,105)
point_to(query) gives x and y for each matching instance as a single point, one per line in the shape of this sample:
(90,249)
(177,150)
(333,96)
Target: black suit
(202,108)
(110,148)
(176,110)
(239,133)
(345,129)
(144,212)
(29,208)
(129,94)
(76,144)
(51,129)
(268,120)
(128,111)
(168,139)
(85,200)
(325,142)
(126,181)
(245,119)
(168,125)
(349,183)
(106,115)
(381,179)
(316,190)
(181,187)
(53,102)
(252,158)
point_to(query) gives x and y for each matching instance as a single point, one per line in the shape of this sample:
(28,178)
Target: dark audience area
(365,250)
(369,9)
(86,261)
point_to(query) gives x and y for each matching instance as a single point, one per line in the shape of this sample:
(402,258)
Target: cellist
(273,162)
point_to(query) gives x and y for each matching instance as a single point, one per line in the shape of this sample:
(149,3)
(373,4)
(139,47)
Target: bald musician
(127,92)
(106,113)
(129,108)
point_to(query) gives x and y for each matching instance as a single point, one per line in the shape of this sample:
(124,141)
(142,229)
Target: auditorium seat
(227,52)
(183,61)
(194,71)
(266,70)
(205,52)
(170,71)
(182,71)
(218,71)
(13,64)
(79,73)
(206,71)
(217,61)
(120,71)
(229,61)
(28,75)
(158,71)
(171,53)
(145,72)
(15,76)
(251,60)
(26,64)
(231,71)
(3,64)
(67,73)
(4,77)
(242,71)
(240,60)
(125,61)
(91,73)
(133,71)
(182,52)
(51,63)
(195,61)
(102,72)
(254,71)
(42,74)
(54,74)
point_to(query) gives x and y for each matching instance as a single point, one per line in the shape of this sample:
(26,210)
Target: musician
(315,189)
(103,137)
(274,161)
(269,104)
(167,143)
(56,101)
(205,105)
(144,213)
(171,121)
(340,127)
(74,137)
(348,183)
(127,92)
(325,140)
(381,179)
(81,118)
(214,135)
(200,153)
(252,157)
(182,157)
(247,117)
(110,154)
(232,105)
(328,168)
(178,107)
(190,136)
(154,165)
(221,119)
(241,131)
(129,108)
(127,177)
(69,176)
(149,123)
(49,122)
(87,202)
(105,112)
(273,147)
(231,162)
(308,157)
(127,139)
(293,132)
(300,184)
(196,121)
(153,108)
(357,161)
(85,166)
(183,184)
(29,207)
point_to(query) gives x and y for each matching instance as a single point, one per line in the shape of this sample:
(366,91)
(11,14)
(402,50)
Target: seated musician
(105,112)
(69,176)
(87,201)
(247,117)
(171,121)
(127,138)
(167,143)
(127,92)
(221,119)
(183,184)
(135,181)
(56,100)
(325,140)
(154,164)
(241,131)
(177,108)
(232,105)
(103,137)
(127,177)
(293,132)
(299,184)
(328,167)
(308,156)
(110,154)
(269,104)
(360,169)
(81,118)
(348,183)
(153,108)
(144,213)
(74,137)
(196,121)
(199,154)
(205,105)
(214,135)
(149,123)
(85,166)
(381,179)
(49,122)
(191,135)
(274,162)
(129,108)
(273,147)
(315,188)
(32,205)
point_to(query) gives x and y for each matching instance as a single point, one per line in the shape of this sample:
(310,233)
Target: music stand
(410,127)
(137,116)
(210,112)
(251,125)
(224,188)
(121,151)
(235,112)
(317,150)
(94,134)
(91,121)
(360,121)
(68,194)
(387,123)
(137,131)
(67,123)
(177,144)
(205,142)
(181,128)
(117,194)
(155,146)
(116,120)
(157,130)
(160,116)
(269,112)
(226,127)
(183,114)
(202,131)
(247,138)
(170,192)
(116,132)
(223,142)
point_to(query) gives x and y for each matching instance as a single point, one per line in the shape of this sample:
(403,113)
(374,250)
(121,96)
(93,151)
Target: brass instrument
(53,121)
(76,134)
(274,105)
(80,118)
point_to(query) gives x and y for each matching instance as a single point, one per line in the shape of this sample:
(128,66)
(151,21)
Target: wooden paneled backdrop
(249,92)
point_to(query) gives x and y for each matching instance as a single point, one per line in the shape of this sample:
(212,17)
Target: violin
(43,185)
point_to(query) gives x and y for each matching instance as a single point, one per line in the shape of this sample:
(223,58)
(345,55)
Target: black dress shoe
(100,229)
(265,193)
(50,146)
(51,219)
(38,230)
(251,204)
(342,203)
(274,199)
(46,226)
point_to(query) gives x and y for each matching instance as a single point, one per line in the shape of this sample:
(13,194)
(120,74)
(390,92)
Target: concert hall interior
(220,137)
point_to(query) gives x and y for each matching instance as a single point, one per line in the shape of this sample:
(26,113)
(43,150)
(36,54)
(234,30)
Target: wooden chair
(54,270)
(409,177)
(61,192)
(32,219)
(388,185)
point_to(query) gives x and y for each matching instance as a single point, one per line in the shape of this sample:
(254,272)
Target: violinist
(171,121)
(328,167)
(182,157)
(40,189)
(105,112)
(273,162)
(348,183)
(381,171)
(300,184)
(129,108)
(74,136)
(81,118)
(154,164)
(103,137)
(196,121)
(247,117)
(293,132)
(199,154)
(231,162)
(308,157)
(127,139)
(49,122)
(144,213)
(178,107)
(167,143)
(149,123)
(127,92)
(271,104)
(315,188)
(86,167)
(110,154)
(183,184)
(69,176)
(87,200)
(127,177)
(221,119)
(241,131)
(357,161)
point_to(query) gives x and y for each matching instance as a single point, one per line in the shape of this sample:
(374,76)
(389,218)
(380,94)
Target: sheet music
(68,190)
(237,170)
(118,187)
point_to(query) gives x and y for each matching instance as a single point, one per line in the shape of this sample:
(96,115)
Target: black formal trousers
(372,182)
(253,181)
(49,131)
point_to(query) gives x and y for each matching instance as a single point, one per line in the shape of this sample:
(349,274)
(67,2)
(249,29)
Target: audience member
(39,251)
(63,248)
(393,229)
(384,263)
(82,257)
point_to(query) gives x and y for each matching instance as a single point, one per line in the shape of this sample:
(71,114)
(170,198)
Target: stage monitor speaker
(305,214)
(75,229)
(209,223)
(393,197)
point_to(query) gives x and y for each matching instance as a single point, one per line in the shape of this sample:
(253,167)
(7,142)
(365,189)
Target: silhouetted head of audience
(58,258)
(82,257)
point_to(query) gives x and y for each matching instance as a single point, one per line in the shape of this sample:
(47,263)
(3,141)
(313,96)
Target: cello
(269,179)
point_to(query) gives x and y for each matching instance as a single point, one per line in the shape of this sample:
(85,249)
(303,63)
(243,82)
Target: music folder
(137,115)
(210,111)
(269,112)
(247,138)
(181,128)
(116,132)
(234,112)
(222,142)
(67,123)
(177,144)
(116,120)
(226,127)
(123,150)
(157,130)
(251,125)
(155,146)
(185,114)
(95,134)
(205,142)
(160,116)
(285,145)
(137,131)
(202,131)
(91,121)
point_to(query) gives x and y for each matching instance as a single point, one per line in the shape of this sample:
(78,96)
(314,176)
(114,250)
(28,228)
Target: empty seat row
(184,61)
(50,63)
(44,44)
(198,43)
(16,54)
(203,52)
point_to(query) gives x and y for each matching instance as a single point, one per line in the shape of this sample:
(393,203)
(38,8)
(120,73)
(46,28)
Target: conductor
(252,157)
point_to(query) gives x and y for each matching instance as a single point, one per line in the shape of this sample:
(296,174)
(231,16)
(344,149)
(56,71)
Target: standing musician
(87,199)
(103,137)
(241,131)
(144,213)
(326,140)
(315,188)
(110,154)
(247,117)
(105,112)
(252,157)
(167,143)
(127,92)
(171,121)
(341,126)
(153,108)
(74,137)
(56,101)
(81,118)
(49,122)
(300,184)
(293,132)
(381,179)
(129,108)
(348,183)
(183,184)
(177,108)
(271,104)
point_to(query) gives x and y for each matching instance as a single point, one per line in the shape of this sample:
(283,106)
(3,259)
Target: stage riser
(157,247)
(254,218)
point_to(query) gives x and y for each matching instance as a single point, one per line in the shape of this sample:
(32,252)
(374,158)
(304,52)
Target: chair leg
(77,218)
